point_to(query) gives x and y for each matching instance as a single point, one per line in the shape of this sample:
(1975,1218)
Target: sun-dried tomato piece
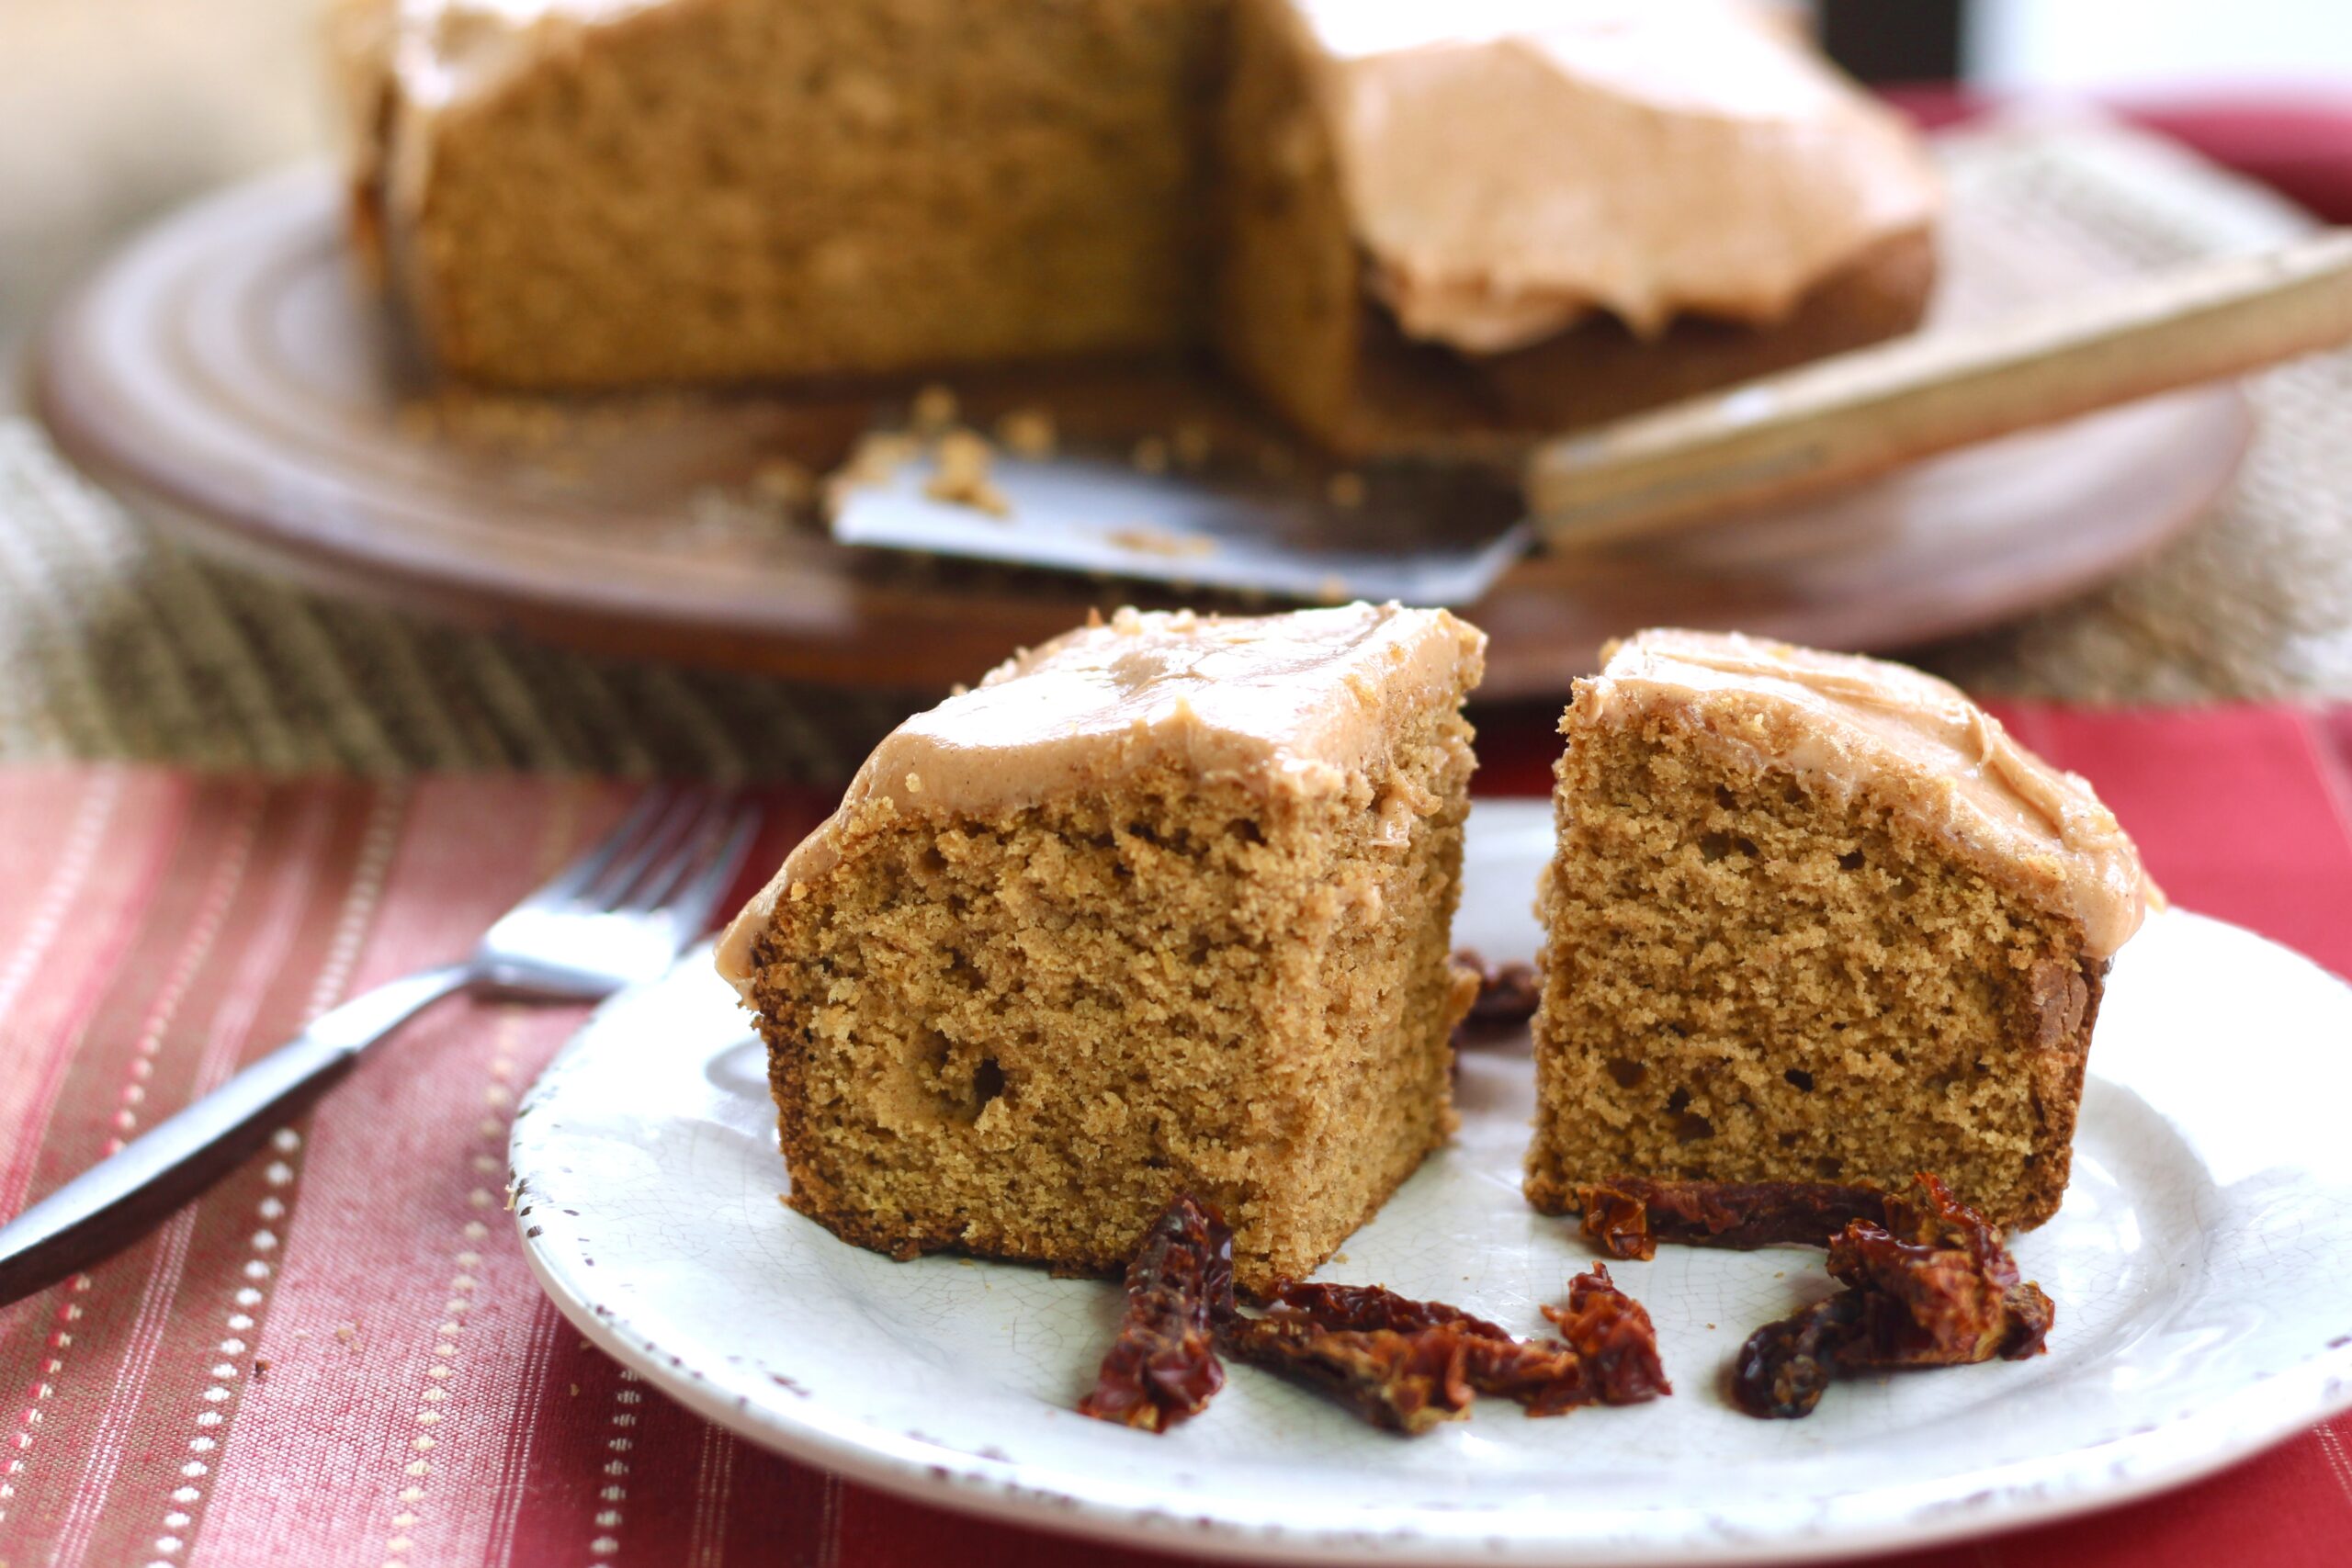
(1374,1307)
(1628,1216)
(1543,1377)
(1405,1381)
(1927,1215)
(1509,994)
(1940,1288)
(1612,1334)
(1407,1364)
(1932,1287)
(2029,1312)
(1164,1368)
(1617,1222)
(1784,1367)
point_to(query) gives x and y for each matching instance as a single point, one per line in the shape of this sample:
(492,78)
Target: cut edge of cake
(1816,921)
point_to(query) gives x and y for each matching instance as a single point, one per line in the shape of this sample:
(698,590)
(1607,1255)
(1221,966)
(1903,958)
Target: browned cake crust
(1628,1216)
(1816,921)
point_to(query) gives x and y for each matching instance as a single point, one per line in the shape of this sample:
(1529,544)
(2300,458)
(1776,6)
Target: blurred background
(111,110)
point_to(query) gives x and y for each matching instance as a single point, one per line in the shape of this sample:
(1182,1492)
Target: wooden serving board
(229,374)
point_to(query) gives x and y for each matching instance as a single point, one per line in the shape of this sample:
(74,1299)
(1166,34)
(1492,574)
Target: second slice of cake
(1160,906)
(1815,922)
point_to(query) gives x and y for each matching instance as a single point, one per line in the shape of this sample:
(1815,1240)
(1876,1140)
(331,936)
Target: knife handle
(1861,413)
(135,1188)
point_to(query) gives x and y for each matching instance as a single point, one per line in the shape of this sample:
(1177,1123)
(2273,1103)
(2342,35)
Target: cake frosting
(447,53)
(1514,165)
(1865,725)
(1286,704)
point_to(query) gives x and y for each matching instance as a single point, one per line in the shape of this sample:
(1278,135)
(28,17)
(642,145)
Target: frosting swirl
(1514,165)
(1907,739)
(1294,705)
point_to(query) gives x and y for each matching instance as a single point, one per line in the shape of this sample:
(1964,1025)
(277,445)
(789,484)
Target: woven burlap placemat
(117,644)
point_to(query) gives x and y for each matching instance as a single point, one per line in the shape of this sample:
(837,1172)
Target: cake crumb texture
(1015,1027)
(884,186)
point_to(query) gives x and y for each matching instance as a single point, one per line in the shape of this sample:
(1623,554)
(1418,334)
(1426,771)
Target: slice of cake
(1160,907)
(1815,922)
(1405,228)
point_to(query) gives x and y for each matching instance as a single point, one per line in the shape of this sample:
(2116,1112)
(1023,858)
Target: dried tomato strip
(1374,1307)
(1613,1335)
(1931,1287)
(1505,995)
(1627,1217)
(1162,1368)
(1405,1381)
(1407,1364)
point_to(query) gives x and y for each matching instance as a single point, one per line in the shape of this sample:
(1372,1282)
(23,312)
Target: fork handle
(131,1192)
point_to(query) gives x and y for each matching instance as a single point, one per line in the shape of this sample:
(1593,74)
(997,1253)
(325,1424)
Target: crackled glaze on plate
(2202,1267)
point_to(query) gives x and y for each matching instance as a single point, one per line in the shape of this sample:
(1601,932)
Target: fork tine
(569,882)
(662,839)
(692,906)
(681,854)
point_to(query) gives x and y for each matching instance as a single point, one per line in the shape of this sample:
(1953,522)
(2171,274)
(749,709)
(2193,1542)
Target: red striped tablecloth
(339,1357)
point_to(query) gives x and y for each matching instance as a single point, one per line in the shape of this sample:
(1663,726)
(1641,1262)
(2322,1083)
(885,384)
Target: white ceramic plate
(2202,1269)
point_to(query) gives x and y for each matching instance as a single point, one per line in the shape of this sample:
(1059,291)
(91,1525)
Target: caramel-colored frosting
(446,51)
(1296,704)
(1866,726)
(1512,166)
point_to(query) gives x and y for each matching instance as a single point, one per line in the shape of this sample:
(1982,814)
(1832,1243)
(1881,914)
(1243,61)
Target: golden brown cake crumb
(1027,432)
(1162,906)
(1159,542)
(1193,444)
(933,410)
(1816,919)
(960,476)
(784,484)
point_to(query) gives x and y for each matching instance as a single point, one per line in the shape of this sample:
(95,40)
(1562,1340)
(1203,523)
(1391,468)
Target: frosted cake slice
(1815,923)
(1162,906)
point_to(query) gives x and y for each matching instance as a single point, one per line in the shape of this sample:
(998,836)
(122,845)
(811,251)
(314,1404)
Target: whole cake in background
(1815,923)
(1403,226)
(1161,906)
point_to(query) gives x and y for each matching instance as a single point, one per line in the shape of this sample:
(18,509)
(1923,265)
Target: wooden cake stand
(228,374)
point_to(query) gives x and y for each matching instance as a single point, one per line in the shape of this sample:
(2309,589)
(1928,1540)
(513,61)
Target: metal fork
(618,915)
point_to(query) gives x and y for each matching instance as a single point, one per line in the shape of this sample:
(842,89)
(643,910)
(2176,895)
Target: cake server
(618,915)
(1426,532)
(1095,513)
